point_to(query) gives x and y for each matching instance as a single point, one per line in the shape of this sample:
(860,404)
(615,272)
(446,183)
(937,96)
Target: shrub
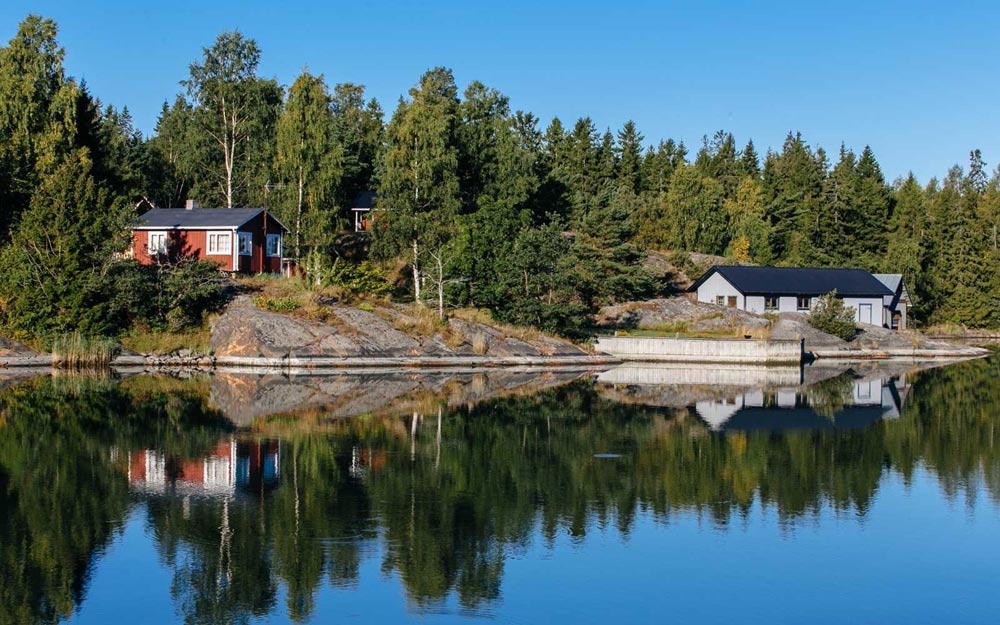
(830,315)
(363,277)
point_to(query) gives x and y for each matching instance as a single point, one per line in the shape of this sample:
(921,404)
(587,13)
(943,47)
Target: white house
(895,305)
(795,289)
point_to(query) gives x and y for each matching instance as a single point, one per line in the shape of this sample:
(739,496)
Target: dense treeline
(487,207)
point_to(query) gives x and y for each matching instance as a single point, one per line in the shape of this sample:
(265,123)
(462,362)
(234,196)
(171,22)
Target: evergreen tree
(905,252)
(37,114)
(360,132)
(793,183)
(630,156)
(56,267)
(750,161)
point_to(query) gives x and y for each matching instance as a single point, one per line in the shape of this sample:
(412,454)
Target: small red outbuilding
(243,240)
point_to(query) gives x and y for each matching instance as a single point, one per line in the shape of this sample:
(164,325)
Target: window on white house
(803,303)
(720,300)
(220,243)
(246,244)
(157,243)
(770,303)
(274,245)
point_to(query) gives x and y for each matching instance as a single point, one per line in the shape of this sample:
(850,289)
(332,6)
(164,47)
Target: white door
(865,313)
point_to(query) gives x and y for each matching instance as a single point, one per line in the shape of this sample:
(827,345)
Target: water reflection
(255,512)
(229,467)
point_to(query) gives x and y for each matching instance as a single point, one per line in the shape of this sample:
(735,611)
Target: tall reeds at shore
(75,351)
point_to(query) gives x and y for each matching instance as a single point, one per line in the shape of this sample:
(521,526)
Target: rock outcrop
(14,354)
(244,331)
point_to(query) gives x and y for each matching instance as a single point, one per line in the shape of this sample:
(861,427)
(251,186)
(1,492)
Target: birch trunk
(440,285)
(298,215)
(416,271)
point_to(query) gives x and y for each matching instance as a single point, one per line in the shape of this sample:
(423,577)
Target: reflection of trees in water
(61,498)
(449,498)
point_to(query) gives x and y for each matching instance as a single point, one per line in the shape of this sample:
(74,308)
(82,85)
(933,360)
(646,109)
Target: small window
(720,300)
(274,245)
(246,244)
(220,243)
(770,303)
(803,303)
(157,243)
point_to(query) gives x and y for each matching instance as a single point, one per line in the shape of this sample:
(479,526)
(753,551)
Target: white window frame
(212,242)
(277,247)
(767,304)
(798,303)
(245,239)
(720,300)
(156,249)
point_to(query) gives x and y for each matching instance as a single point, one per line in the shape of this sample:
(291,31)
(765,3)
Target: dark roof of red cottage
(750,280)
(198,218)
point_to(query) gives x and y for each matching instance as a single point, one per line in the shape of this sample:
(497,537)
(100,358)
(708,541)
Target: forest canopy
(486,205)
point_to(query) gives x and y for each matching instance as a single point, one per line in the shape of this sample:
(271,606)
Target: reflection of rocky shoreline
(243,397)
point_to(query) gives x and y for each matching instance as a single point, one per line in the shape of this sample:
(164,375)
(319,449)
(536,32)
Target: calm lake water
(850,494)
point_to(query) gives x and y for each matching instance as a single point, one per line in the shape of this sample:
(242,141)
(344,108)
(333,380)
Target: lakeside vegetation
(480,204)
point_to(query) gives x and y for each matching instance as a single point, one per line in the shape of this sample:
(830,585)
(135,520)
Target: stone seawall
(657,349)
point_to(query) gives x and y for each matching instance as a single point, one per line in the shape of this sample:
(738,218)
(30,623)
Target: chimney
(189,204)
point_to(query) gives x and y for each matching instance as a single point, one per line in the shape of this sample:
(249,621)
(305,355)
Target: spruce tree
(630,156)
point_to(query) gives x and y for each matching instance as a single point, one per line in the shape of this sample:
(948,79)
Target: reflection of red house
(244,240)
(228,466)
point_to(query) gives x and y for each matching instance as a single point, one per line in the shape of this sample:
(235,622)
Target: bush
(363,277)
(830,315)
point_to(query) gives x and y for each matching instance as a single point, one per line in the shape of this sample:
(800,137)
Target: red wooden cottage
(243,240)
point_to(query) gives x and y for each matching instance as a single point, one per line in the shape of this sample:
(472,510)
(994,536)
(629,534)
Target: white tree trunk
(298,215)
(416,271)
(440,285)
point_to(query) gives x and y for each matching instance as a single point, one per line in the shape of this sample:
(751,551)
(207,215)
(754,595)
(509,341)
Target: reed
(76,351)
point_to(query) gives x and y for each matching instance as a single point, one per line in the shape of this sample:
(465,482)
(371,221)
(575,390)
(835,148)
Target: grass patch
(277,304)
(148,341)
(75,351)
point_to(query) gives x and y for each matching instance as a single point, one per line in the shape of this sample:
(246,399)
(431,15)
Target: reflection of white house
(870,400)
(795,289)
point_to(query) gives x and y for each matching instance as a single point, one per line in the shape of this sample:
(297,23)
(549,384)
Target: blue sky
(918,81)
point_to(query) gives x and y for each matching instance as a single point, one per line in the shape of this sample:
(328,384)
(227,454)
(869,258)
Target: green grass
(75,351)
(148,341)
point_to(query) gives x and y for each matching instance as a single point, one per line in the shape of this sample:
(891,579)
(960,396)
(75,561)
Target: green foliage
(830,315)
(311,162)
(277,304)
(364,277)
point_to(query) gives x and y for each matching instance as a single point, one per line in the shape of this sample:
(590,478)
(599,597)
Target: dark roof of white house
(365,200)
(765,281)
(198,218)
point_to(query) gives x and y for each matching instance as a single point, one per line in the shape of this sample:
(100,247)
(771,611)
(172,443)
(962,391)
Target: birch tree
(236,108)
(309,160)
(419,191)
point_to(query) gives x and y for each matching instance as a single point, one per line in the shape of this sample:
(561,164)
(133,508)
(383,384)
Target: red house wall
(185,243)
(180,243)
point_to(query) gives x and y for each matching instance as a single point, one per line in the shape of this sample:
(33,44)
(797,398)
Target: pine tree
(905,251)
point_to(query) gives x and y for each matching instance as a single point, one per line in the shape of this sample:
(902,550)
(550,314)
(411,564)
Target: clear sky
(917,81)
